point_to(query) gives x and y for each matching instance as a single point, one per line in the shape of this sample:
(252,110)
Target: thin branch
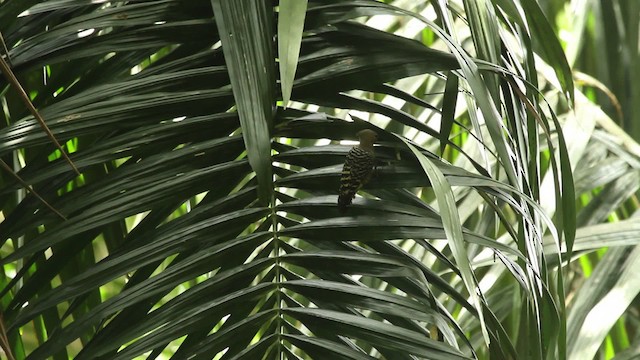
(4,340)
(14,81)
(30,189)
(4,47)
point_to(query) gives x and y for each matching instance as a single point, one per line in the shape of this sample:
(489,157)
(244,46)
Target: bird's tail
(344,200)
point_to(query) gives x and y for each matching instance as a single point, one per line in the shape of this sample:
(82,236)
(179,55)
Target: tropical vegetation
(170,170)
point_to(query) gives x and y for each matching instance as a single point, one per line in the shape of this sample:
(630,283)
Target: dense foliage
(174,193)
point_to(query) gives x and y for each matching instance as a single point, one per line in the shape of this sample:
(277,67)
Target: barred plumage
(357,169)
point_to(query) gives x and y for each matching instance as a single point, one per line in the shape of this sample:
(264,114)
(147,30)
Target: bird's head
(367,137)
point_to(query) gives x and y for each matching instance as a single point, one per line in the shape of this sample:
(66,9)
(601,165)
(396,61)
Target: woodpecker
(357,169)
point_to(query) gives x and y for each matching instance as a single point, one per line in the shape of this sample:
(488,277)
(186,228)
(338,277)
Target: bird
(357,168)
